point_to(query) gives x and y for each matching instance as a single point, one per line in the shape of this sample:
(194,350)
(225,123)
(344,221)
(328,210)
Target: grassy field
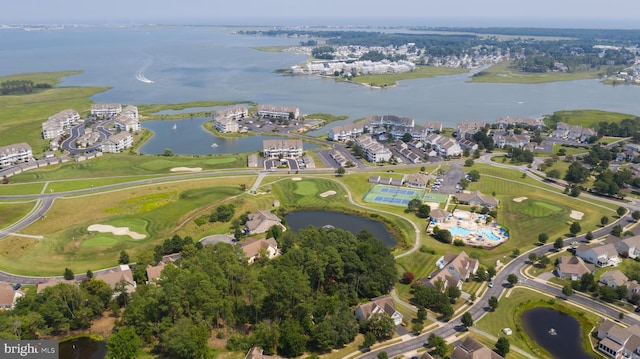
(504,72)
(12,211)
(113,165)
(421,72)
(159,210)
(588,118)
(147,111)
(507,315)
(21,116)
(20,188)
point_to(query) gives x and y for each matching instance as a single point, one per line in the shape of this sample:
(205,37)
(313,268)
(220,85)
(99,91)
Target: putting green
(537,208)
(219,160)
(100,240)
(306,188)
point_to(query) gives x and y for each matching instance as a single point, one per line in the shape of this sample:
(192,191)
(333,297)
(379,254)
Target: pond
(558,333)
(83,348)
(302,219)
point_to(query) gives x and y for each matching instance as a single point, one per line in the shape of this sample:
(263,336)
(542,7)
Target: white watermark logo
(29,349)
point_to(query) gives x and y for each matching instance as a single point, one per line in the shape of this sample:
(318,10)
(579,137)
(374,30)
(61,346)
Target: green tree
(68,274)
(381,325)
(407,137)
(589,236)
(577,173)
(184,340)
(467,320)
(438,344)
(481,274)
(515,253)
(575,228)
(124,258)
(543,238)
(468,162)
(293,340)
(369,339)
(167,152)
(89,274)
(493,303)
(266,337)
(554,173)
(414,204)
(275,231)
(558,243)
(417,327)
(567,290)
(341,171)
(512,279)
(423,168)
(443,236)
(123,344)
(544,261)
(620,211)
(604,220)
(533,257)
(502,346)
(617,230)
(635,215)
(491,271)
(423,211)
(421,314)
(464,183)
(474,175)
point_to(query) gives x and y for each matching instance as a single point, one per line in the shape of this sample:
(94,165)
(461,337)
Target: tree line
(18,87)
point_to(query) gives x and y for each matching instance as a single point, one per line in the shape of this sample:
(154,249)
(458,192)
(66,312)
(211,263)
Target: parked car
(491,284)
(17,286)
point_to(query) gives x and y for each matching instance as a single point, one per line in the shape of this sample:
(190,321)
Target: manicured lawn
(589,118)
(22,115)
(420,72)
(505,72)
(159,210)
(113,165)
(11,212)
(20,188)
(492,344)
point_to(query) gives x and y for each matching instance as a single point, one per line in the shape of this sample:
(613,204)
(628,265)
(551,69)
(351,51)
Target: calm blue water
(463,232)
(195,63)
(190,137)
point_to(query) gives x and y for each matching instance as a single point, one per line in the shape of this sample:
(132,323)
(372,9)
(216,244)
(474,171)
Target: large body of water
(566,343)
(193,63)
(355,224)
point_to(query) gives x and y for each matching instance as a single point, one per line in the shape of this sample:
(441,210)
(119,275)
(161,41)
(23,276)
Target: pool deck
(473,222)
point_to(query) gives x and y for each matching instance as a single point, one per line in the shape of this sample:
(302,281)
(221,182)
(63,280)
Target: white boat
(214,145)
(553,331)
(175,126)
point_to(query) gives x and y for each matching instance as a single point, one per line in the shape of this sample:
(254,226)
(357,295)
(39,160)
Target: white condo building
(286,148)
(15,153)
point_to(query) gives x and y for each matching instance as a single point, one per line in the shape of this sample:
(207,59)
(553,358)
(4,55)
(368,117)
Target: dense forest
(300,301)
(19,87)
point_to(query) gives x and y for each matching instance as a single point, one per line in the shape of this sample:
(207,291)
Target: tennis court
(395,196)
(435,197)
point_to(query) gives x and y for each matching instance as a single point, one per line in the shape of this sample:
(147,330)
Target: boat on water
(552,331)
(214,145)
(175,126)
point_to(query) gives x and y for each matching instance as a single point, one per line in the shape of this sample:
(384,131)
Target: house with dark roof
(383,304)
(473,349)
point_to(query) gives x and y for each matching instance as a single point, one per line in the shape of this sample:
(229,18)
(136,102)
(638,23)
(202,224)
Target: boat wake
(140,74)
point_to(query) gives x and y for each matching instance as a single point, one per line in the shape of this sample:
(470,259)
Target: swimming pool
(484,232)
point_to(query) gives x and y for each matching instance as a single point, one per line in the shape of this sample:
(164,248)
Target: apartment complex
(285,148)
(118,142)
(226,120)
(15,153)
(58,123)
(275,111)
(374,151)
(105,109)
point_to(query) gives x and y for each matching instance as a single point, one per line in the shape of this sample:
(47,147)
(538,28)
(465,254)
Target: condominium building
(118,142)
(233,113)
(126,123)
(224,125)
(278,111)
(347,132)
(15,153)
(286,148)
(106,109)
(373,150)
(58,123)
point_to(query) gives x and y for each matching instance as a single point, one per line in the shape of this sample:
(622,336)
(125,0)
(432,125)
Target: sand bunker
(118,231)
(519,199)
(327,194)
(576,215)
(186,169)
(296,179)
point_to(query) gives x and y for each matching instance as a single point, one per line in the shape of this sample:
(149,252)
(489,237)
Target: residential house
(389,120)
(274,111)
(406,152)
(473,349)
(154,272)
(573,267)
(373,150)
(466,143)
(417,180)
(121,275)
(574,133)
(613,278)
(602,256)
(256,353)
(117,143)
(476,198)
(383,304)
(453,270)
(628,247)
(518,141)
(468,129)
(253,248)
(346,132)
(261,220)
(8,296)
(105,109)
(618,342)
(284,148)
(53,282)
(126,123)
(15,153)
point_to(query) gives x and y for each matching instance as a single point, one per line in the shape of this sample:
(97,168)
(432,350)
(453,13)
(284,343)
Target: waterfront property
(105,109)
(346,132)
(127,121)
(226,125)
(532,123)
(618,342)
(383,304)
(226,120)
(286,148)
(453,269)
(374,151)
(58,123)
(273,111)
(16,153)
(261,220)
(117,143)
(473,349)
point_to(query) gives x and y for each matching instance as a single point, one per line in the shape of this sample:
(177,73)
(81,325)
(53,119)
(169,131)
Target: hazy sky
(586,13)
